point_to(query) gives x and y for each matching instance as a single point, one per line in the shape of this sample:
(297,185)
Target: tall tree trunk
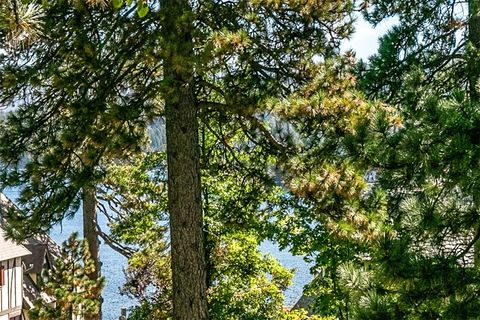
(91,235)
(183,159)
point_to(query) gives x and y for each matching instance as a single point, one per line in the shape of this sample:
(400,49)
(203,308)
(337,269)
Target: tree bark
(91,235)
(183,159)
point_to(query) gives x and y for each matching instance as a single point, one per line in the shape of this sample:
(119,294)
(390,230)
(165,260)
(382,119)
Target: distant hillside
(157,134)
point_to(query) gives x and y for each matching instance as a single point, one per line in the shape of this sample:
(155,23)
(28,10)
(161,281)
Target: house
(34,255)
(11,278)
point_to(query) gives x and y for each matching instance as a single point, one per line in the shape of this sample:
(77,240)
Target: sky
(365,39)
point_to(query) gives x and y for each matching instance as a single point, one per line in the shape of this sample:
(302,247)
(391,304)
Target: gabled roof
(40,255)
(9,249)
(39,245)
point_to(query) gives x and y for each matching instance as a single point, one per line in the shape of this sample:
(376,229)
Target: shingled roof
(38,244)
(40,254)
(9,249)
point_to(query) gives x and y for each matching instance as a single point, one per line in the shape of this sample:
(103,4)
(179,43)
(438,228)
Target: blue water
(113,264)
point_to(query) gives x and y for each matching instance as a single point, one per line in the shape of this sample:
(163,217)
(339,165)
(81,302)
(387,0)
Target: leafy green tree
(70,285)
(137,190)
(239,283)
(247,284)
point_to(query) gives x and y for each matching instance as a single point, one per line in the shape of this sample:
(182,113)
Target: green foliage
(425,266)
(302,315)
(428,169)
(430,35)
(142,9)
(70,285)
(137,191)
(149,280)
(246,283)
(76,114)
(281,124)
(20,23)
(134,191)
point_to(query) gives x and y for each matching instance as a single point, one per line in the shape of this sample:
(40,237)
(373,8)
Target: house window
(2,276)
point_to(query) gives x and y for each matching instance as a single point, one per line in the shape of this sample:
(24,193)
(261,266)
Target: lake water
(113,264)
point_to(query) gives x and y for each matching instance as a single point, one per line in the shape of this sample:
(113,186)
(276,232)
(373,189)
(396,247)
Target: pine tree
(20,23)
(70,285)
(52,126)
(239,57)
(427,68)
(268,67)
